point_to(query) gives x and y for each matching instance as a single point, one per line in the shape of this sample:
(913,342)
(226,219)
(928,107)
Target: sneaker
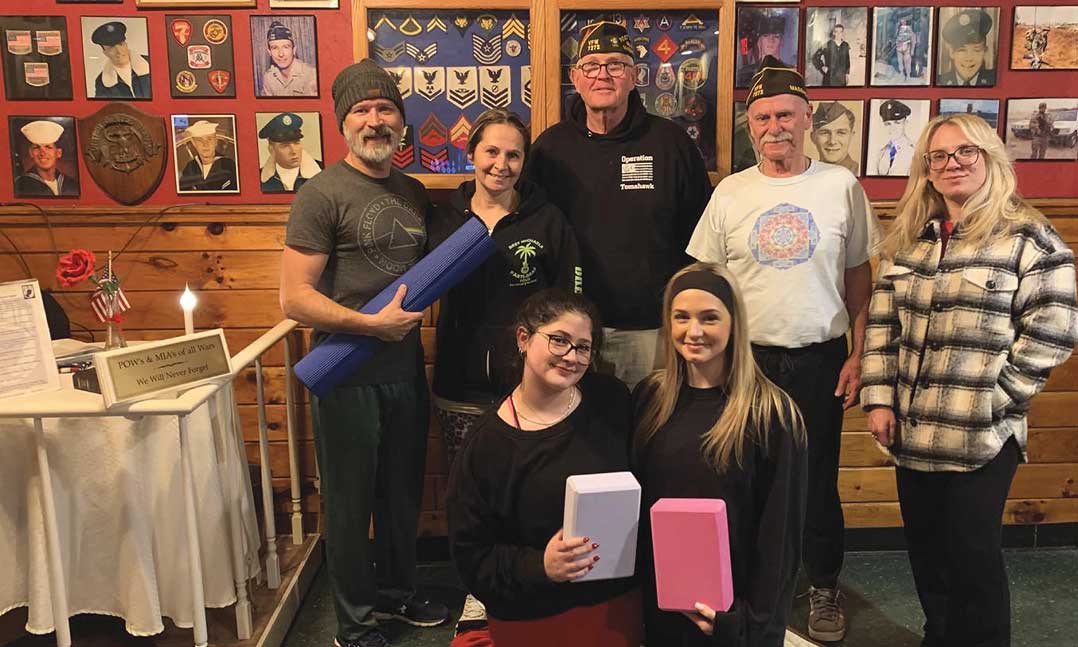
(416,611)
(827,621)
(372,638)
(474,616)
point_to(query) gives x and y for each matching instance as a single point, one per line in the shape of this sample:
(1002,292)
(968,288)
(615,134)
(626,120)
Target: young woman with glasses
(507,488)
(973,307)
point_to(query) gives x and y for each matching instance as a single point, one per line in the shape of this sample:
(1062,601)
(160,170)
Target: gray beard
(376,155)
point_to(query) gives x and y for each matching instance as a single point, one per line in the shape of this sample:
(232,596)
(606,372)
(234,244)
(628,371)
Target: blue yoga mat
(338,356)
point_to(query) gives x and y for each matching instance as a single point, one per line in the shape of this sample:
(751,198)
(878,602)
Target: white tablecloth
(118,486)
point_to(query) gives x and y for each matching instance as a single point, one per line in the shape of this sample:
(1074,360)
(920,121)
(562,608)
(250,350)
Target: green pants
(372,445)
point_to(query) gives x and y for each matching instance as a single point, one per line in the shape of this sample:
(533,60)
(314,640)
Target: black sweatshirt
(633,196)
(475,343)
(765,508)
(506,499)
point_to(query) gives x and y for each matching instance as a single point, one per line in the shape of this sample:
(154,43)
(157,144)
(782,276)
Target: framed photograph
(89,1)
(836,133)
(744,153)
(893,128)
(676,66)
(762,31)
(200,62)
(194,4)
(1045,38)
(987,109)
(116,58)
(36,61)
(44,157)
(289,151)
(836,46)
(901,45)
(968,46)
(205,154)
(303,4)
(1040,129)
(285,54)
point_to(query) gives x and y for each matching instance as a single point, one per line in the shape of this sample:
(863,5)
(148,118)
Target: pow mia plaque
(200,60)
(124,151)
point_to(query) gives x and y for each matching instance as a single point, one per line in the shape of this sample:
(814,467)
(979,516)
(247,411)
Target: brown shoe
(827,621)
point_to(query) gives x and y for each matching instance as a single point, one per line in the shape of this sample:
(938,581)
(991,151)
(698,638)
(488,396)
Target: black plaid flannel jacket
(959,346)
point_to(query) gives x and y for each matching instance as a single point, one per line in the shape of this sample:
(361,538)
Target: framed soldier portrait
(289,149)
(901,45)
(1042,129)
(744,153)
(285,55)
(116,58)
(205,152)
(836,46)
(836,133)
(200,62)
(763,31)
(36,62)
(1045,38)
(44,157)
(987,109)
(968,46)
(893,128)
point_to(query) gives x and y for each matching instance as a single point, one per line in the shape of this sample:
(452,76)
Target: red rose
(75,267)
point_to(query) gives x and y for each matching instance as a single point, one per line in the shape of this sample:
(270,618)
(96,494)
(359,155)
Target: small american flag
(99,300)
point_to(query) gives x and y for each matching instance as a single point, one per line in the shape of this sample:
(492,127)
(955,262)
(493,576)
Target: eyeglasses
(560,346)
(964,155)
(614,68)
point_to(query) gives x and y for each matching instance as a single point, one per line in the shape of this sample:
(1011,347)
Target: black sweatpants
(953,523)
(809,375)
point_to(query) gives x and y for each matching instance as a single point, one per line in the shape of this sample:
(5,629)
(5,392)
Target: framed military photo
(200,62)
(893,128)
(1045,38)
(836,133)
(836,46)
(762,31)
(968,46)
(116,58)
(35,58)
(44,157)
(285,56)
(987,109)
(1039,129)
(303,4)
(744,153)
(205,152)
(901,45)
(289,149)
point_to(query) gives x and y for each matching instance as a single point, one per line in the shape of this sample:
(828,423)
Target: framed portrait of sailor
(116,58)
(205,154)
(289,149)
(1045,38)
(893,128)
(44,157)
(836,46)
(968,46)
(901,45)
(285,56)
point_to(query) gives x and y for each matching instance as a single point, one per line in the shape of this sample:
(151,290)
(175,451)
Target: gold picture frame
(195,4)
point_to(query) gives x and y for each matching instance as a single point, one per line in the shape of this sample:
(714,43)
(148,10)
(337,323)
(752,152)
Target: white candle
(187,302)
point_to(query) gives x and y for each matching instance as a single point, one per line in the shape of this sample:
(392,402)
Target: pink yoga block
(692,554)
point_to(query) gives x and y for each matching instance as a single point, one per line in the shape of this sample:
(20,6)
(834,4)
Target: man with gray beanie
(353,229)
(797,235)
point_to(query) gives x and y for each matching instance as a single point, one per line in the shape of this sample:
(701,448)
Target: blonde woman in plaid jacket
(974,305)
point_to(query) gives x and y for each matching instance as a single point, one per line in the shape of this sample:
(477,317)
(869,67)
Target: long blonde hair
(994,208)
(753,401)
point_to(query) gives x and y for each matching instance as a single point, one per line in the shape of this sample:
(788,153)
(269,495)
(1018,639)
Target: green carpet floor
(881,604)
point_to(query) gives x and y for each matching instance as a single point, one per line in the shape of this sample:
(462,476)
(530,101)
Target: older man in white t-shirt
(798,233)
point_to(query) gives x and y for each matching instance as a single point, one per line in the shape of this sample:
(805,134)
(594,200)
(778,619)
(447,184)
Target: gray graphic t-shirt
(373,230)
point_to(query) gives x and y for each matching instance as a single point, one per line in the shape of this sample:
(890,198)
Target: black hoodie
(475,348)
(633,196)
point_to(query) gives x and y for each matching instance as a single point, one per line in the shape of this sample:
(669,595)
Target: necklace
(568,408)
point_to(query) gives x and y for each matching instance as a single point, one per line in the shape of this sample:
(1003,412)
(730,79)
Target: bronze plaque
(124,151)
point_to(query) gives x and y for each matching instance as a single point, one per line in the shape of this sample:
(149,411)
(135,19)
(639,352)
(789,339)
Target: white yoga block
(605,508)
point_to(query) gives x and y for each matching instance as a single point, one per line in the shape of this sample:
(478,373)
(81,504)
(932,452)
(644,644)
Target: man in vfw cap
(286,76)
(44,178)
(632,185)
(208,170)
(289,164)
(797,234)
(355,228)
(123,75)
(965,35)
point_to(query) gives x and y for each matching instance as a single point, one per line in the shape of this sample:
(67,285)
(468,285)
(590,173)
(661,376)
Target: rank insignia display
(402,76)
(526,85)
(494,84)
(436,23)
(410,27)
(404,156)
(486,22)
(431,82)
(433,132)
(489,51)
(200,56)
(421,54)
(459,132)
(463,86)
(434,161)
